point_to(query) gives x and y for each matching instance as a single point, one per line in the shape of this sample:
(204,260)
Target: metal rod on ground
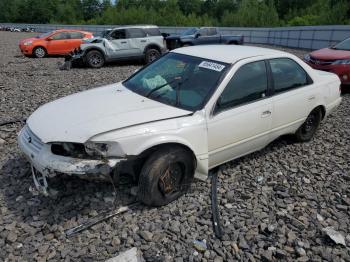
(98,219)
(214,205)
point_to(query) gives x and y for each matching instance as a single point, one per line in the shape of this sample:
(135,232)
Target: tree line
(230,13)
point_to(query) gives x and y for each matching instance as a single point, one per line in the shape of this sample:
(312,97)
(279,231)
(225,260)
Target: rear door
(294,95)
(75,40)
(118,45)
(58,43)
(138,40)
(208,36)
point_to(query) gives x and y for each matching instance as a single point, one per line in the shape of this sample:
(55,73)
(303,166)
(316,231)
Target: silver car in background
(122,43)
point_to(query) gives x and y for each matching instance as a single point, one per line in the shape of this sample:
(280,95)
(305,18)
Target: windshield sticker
(212,66)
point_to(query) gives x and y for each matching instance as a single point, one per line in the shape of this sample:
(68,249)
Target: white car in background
(187,112)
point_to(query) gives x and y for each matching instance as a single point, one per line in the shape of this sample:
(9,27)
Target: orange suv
(59,42)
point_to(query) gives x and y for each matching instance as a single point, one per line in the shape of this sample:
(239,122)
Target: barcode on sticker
(212,66)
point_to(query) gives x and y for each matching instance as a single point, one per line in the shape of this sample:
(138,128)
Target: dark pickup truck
(202,36)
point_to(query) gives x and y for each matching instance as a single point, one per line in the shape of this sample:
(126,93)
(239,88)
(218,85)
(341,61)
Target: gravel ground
(274,203)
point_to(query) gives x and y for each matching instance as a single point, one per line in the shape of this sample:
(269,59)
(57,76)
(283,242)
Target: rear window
(60,36)
(152,31)
(135,33)
(76,35)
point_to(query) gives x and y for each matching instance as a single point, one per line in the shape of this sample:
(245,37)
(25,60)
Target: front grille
(320,61)
(31,140)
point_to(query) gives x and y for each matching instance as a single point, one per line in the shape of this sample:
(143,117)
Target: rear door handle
(266,113)
(143,41)
(123,42)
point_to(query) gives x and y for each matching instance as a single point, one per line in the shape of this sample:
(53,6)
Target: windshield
(44,35)
(190,31)
(178,80)
(345,45)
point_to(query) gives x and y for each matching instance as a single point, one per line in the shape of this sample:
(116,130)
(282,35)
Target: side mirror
(49,39)
(197,35)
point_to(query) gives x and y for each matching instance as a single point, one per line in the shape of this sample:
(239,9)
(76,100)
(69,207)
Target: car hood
(330,54)
(28,39)
(78,117)
(93,40)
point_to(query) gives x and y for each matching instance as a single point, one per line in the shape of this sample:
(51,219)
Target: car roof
(71,30)
(227,53)
(135,26)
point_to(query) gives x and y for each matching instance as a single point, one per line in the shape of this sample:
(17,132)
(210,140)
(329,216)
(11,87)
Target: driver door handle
(266,113)
(123,42)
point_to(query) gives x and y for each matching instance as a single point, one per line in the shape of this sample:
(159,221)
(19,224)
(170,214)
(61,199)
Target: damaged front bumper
(45,164)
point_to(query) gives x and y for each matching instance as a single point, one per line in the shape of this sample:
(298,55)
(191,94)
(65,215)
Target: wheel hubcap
(153,56)
(95,60)
(309,124)
(39,52)
(170,181)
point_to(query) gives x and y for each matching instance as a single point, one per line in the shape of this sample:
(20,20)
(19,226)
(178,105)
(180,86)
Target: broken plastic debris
(259,179)
(131,255)
(200,245)
(334,235)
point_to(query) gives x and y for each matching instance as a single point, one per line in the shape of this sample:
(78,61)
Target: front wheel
(39,52)
(308,129)
(166,175)
(95,59)
(151,55)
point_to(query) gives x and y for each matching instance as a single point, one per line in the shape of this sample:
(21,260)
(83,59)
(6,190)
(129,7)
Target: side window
(287,74)
(249,83)
(212,31)
(76,35)
(136,33)
(153,31)
(118,34)
(203,31)
(60,36)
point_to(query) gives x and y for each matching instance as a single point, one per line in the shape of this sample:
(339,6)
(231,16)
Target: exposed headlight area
(89,150)
(75,150)
(96,149)
(27,43)
(342,62)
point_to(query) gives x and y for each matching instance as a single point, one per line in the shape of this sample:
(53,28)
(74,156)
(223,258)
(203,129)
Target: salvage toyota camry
(189,111)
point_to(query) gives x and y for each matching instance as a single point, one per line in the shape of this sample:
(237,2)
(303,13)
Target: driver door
(241,120)
(58,43)
(118,45)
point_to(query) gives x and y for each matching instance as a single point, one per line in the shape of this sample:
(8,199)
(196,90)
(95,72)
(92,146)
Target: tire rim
(95,60)
(170,181)
(40,52)
(152,56)
(309,124)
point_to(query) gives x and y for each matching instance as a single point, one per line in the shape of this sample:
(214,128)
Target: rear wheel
(309,127)
(95,59)
(151,55)
(166,175)
(39,52)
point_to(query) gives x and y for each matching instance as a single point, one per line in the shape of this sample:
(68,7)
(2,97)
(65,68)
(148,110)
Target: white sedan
(191,110)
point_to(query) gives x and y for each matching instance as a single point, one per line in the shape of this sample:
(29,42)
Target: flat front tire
(166,175)
(95,59)
(308,129)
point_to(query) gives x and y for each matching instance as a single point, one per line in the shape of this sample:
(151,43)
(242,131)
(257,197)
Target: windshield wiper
(161,86)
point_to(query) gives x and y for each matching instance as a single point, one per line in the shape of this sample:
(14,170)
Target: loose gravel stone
(304,188)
